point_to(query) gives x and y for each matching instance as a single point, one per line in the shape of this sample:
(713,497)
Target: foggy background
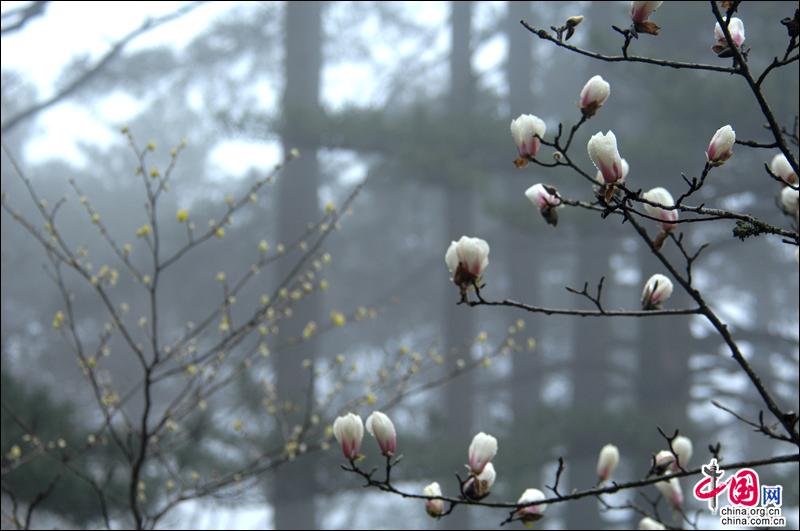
(418,98)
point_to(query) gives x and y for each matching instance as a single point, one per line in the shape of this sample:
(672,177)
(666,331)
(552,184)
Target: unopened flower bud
(684,448)
(478,487)
(593,95)
(546,199)
(435,508)
(530,513)
(720,148)
(736,29)
(657,289)
(382,429)
(662,197)
(641,11)
(482,450)
(780,167)
(527,131)
(607,461)
(605,156)
(467,259)
(349,431)
(671,490)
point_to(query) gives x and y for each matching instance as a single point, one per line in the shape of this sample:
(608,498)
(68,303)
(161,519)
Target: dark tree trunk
(294,486)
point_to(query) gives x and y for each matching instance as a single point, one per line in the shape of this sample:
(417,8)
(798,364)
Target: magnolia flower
(593,95)
(789,201)
(648,523)
(349,431)
(780,166)
(482,450)
(546,198)
(641,11)
(664,460)
(672,491)
(662,197)
(527,131)
(380,426)
(434,508)
(478,487)
(607,461)
(603,152)
(467,259)
(684,449)
(657,289)
(720,148)
(531,513)
(736,29)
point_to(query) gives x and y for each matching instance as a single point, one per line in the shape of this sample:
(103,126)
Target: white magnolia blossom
(662,197)
(789,200)
(539,195)
(720,148)
(684,448)
(671,490)
(648,524)
(625,168)
(607,461)
(605,156)
(349,431)
(434,508)
(382,429)
(641,11)
(780,166)
(468,255)
(479,486)
(736,29)
(531,513)
(527,131)
(664,459)
(482,450)
(656,290)
(594,94)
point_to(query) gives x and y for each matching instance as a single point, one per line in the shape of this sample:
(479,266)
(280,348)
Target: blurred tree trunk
(294,486)
(588,425)
(460,213)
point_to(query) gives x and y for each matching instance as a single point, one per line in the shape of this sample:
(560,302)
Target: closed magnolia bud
(683,448)
(648,523)
(671,490)
(435,508)
(531,513)
(780,167)
(349,431)
(662,197)
(736,29)
(381,428)
(574,21)
(546,199)
(593,95)
(527,131)
(664,460)
(720,148)
(657,289)
(603,152)
(789,201)
(467,259)
(641,11)
(478,487)
(607,461)
(482,450)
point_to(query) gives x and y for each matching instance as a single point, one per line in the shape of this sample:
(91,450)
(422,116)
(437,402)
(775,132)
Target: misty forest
(412,265)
